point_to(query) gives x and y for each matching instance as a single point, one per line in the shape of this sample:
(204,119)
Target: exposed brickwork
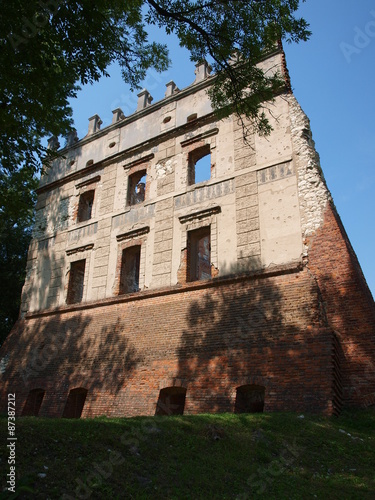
(285,308)
(267,331)
(348,305)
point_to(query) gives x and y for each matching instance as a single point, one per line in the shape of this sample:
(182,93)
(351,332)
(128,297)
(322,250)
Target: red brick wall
(349,307)
(208,337)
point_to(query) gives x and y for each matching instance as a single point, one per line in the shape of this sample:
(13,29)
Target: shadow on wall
(265,337)
(350,310)
(57,355)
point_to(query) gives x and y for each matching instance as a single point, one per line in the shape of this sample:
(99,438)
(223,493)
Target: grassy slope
(206,456)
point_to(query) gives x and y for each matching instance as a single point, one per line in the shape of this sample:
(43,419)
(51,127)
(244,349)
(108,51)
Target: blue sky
(333,77)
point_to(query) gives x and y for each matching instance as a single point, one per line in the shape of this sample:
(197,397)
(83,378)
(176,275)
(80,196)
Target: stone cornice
(200,214)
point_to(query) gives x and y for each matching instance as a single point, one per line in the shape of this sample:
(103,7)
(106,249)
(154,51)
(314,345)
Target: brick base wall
(210,338)
(348,306)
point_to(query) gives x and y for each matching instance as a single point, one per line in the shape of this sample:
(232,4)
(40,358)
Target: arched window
(75,403)
(171,401)
(249,399)
(33,403)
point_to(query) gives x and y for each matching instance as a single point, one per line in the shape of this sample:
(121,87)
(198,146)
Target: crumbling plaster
(259,224)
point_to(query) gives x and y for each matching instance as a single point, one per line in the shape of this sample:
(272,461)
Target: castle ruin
(175,268)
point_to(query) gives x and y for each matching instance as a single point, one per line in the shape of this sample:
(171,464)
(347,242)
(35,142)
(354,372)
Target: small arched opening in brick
(33,403)
(75,403)
(249,399)
(171,401)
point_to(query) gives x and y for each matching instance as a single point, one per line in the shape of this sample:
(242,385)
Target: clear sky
(333,77)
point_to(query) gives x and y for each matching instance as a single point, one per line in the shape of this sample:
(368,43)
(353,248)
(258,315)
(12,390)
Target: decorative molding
(135,233)
(200,193)
(84,231)
(144,159)
(275,172)
(88,181)
(199,137)
(201,214)
(80,249)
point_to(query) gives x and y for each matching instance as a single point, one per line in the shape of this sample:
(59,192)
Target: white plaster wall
(280,227)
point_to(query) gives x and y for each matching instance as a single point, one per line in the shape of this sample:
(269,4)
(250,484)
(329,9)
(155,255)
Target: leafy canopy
(50,47)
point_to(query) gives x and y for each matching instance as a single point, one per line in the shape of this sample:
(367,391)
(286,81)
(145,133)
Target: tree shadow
(267,330)
(64,351)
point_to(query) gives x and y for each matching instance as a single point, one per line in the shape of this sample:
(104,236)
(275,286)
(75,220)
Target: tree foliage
(17,197)
(48,48)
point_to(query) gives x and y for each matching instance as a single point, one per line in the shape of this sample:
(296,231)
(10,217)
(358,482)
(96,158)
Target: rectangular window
(76,280)
(129,279)
(199,254)
(137,188)
(199,167)
(86,201)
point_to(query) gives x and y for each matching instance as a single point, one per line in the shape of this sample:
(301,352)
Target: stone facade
(175,268)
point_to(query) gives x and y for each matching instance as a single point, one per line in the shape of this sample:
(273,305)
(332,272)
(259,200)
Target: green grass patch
(278,455)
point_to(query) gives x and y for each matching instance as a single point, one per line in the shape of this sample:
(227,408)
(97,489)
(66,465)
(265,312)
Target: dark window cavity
(76,280)
(75,403)
(171,401)
(86,201)
(130,262)
(199,254)
(249,399)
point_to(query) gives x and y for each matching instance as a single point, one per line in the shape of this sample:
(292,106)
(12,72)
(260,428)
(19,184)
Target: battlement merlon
(149,121)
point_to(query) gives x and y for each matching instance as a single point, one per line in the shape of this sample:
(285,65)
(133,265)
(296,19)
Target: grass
(225,456)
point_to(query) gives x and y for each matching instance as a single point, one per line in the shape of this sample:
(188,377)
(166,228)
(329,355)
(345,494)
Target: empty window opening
(76,280)
(199,254)
(192,117)
(86,202)
(75,403)
(199,168)
(249,399)
(137,188)
(112,145)
(167,119)
(33,403)
(171,401)
(129,278)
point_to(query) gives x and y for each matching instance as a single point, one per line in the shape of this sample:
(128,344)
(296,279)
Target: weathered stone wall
(287,307)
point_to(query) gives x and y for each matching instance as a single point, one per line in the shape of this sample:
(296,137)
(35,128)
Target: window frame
(72,409)
(195,266)
(134,179)
(134,251)
(194,156)
(74,269)
(81,214)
